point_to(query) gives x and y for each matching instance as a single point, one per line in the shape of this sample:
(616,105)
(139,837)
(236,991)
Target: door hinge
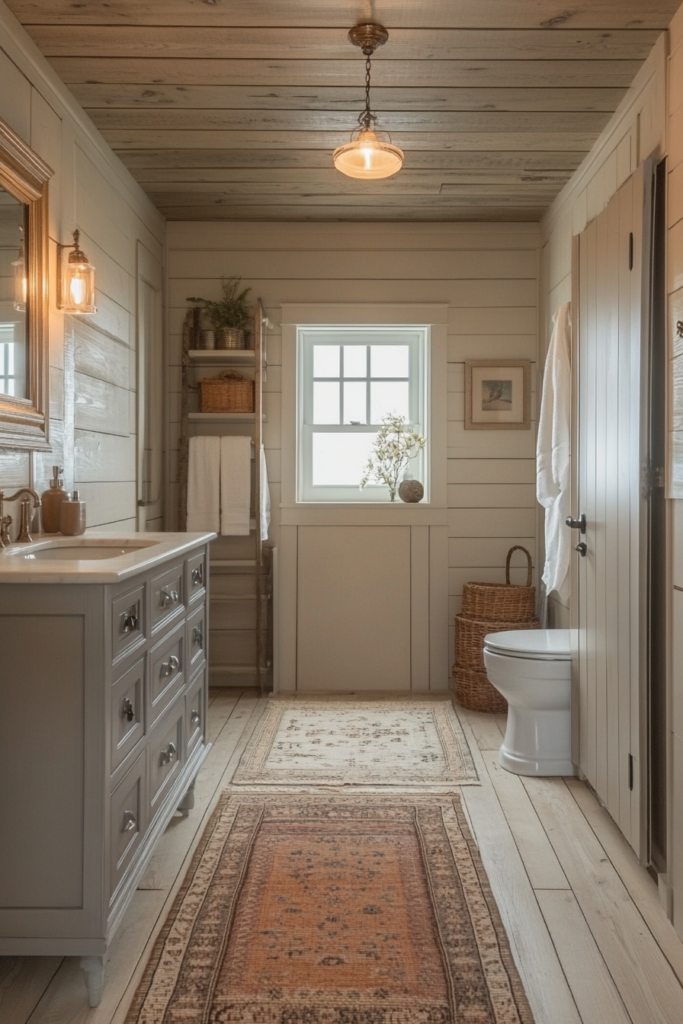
(651,479)
(630,251)
(630,771)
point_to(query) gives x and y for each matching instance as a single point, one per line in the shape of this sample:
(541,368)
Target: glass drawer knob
(128,711)
(194,717)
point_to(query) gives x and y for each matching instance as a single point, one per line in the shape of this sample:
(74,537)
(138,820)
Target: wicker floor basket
(501,602)
(474,691)
(228,392)
(469,639)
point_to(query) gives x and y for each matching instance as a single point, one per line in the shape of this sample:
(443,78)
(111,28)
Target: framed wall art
(497,394)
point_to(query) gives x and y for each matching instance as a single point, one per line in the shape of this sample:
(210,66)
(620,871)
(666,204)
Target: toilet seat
(530,644)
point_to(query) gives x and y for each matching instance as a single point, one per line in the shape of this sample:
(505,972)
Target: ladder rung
(233,563)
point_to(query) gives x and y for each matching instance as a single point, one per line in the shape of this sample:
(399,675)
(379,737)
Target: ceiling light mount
(368,37)
(366,155)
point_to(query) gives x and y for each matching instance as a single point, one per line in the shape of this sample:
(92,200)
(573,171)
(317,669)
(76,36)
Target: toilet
(531,668)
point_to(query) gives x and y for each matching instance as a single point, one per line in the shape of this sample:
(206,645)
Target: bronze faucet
(5,521)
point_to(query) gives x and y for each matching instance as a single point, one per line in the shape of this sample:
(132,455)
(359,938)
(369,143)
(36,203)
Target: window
(349,379)
(11,374)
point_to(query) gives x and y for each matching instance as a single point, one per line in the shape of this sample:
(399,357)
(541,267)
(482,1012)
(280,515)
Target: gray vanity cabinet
(102,732)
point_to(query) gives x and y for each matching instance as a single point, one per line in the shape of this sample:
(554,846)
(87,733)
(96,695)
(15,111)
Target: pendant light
(366,155)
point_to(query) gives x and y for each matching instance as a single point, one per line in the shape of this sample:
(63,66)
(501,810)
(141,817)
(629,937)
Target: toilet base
(523,766)
(537,742)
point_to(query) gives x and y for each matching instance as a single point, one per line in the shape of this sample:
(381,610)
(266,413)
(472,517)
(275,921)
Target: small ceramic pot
(411,490)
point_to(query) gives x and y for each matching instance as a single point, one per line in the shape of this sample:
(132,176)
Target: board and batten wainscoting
(92,360)
(485,276)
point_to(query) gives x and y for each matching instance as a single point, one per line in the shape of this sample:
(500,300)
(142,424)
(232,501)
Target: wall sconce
(75,280)
(20,281)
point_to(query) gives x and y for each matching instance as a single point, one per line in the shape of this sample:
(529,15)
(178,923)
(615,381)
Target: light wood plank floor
(587,930)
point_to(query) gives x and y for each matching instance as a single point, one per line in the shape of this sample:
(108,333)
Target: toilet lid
(536,644)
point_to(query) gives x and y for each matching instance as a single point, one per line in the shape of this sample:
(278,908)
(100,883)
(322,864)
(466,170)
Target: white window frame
(418,339)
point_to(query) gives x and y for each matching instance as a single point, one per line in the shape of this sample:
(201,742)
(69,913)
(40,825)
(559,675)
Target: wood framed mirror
(24,393)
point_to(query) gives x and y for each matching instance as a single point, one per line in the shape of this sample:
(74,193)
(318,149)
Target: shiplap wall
(487,274)
(92,360)
(636,130)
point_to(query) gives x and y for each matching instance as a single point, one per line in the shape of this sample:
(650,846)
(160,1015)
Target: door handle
(577,524)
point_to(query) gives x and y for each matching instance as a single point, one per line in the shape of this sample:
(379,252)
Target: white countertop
(16,565)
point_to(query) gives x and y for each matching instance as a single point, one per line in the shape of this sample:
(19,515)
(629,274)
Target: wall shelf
(258,604)
(222,355)
(223,417)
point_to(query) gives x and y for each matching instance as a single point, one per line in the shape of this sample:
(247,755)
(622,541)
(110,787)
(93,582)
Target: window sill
(386,513)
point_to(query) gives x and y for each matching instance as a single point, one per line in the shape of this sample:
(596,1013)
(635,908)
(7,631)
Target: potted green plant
(230,316)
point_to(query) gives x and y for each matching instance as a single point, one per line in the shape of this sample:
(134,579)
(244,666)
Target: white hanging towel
(552,455)
(203,497)
(235,476)
(265,497)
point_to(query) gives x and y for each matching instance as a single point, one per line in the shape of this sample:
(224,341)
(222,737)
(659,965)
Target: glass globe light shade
(368,157)
(20,283)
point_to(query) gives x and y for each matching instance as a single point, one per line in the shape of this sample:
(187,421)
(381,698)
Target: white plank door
(608,583)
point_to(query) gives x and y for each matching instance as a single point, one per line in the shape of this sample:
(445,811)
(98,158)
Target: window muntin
(349,379)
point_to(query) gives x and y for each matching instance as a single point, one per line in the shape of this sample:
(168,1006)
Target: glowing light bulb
(77,290)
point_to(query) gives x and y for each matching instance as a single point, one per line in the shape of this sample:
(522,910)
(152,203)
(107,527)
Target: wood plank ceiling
(230,109)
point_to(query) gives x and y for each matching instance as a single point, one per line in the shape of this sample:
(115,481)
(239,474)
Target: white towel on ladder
(203,499)
(265,497)
(235,476)
(553,456)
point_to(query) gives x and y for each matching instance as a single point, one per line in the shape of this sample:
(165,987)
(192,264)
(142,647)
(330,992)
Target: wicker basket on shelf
(489,608)
(228,392)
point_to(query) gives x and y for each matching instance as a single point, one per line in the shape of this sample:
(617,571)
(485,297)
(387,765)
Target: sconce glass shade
(368,157)
(76,280)
(20,283)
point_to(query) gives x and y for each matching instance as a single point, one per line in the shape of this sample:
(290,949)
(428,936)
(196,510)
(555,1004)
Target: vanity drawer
(128,810)
(196,576)
(167,672)
(195,711)
(197,636)
(168,596)
(165,756)
(127,712)
(128,621)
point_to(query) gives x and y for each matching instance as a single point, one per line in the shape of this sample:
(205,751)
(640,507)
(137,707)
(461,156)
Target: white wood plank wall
(636,130)
(488,274)
(92,359)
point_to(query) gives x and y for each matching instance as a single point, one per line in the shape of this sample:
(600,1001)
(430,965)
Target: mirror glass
(13,292)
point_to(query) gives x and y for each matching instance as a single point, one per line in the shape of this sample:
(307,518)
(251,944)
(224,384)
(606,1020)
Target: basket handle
(518,547)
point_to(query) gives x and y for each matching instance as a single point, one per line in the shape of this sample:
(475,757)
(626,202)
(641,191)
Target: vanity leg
(187,803)
(93,968)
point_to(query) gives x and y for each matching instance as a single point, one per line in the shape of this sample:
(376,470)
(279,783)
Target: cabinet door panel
(127,712)
(167,672)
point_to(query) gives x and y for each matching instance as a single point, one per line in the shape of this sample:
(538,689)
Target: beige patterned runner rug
(340,741)
(319,909)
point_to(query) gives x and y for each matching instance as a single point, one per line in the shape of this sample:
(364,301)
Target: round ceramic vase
(411,491)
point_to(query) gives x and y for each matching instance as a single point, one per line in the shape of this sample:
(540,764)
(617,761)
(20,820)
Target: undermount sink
(83,550)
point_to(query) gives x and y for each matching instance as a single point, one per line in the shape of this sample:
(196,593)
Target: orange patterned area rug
(333,910)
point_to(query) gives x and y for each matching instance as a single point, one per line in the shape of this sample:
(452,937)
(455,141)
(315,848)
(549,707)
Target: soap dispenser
(72,516)
(51,501)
